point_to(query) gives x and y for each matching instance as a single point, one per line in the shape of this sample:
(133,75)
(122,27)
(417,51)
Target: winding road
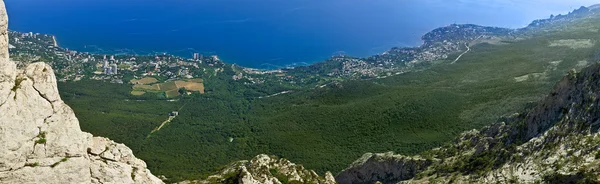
(459,56)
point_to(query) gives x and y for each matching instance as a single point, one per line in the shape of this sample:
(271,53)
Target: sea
(257,33)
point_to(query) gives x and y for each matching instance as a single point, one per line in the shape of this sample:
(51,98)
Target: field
(170,89)
(144,81)
(191,86)
(172,93)
(141,87)
(138,93)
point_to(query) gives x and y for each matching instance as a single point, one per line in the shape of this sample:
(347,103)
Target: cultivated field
(154,87)
(168,86)
(172,93)
(145,80)
(171,89)
(191,86)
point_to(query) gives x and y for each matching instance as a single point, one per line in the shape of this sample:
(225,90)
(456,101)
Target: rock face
(40,138)
(386,167)
(265,169)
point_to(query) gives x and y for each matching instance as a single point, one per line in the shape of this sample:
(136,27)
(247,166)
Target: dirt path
(459,56)
(280,93)
(468,49)
(165,122)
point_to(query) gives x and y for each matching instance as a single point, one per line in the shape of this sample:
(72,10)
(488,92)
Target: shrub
(32,164)
(61,160)
(42,138)
(18,84)
(41,141)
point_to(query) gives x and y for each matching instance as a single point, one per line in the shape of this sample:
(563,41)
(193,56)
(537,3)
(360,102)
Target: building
(107,71)
(198,56)
(114,69)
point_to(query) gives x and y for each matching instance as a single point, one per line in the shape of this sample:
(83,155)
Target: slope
(554,141)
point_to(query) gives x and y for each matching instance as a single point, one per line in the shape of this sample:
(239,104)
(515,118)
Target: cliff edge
(40,137)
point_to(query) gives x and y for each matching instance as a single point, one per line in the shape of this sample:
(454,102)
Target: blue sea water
(258,33)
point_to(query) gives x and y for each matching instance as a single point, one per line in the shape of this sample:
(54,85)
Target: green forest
(326,129)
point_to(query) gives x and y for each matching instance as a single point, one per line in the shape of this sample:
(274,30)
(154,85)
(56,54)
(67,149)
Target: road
(165,122)
(459,56)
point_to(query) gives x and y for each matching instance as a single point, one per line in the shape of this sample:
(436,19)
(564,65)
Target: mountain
(40,138)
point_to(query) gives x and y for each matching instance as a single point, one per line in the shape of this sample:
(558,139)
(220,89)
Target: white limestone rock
(40,137)
(264,169)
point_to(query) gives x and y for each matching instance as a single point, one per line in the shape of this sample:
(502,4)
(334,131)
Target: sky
(265,32)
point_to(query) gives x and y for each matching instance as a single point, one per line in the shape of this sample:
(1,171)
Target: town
(157,69)
(70,65)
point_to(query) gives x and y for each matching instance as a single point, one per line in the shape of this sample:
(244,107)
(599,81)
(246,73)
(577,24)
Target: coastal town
(74,65)
(70,65)
(160,70)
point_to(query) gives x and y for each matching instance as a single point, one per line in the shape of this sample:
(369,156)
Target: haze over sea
(263,33)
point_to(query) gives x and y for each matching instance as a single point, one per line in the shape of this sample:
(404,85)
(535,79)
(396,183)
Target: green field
(328,128)
(168,89)
(168,86)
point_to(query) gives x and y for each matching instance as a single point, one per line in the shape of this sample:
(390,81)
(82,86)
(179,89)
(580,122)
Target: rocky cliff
(386,167)
(555,141)
(264,169)
(40,138)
